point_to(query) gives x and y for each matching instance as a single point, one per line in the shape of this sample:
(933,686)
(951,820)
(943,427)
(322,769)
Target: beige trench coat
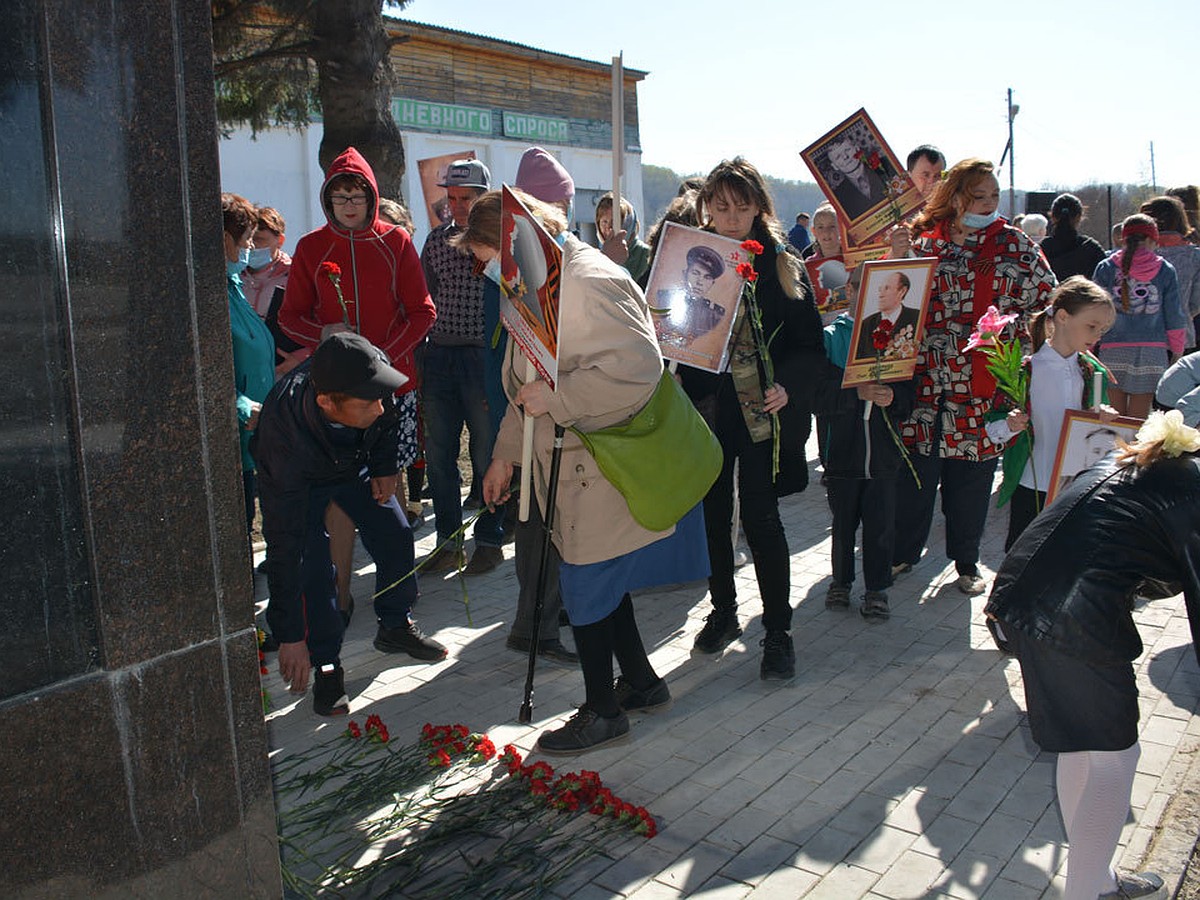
(608,367)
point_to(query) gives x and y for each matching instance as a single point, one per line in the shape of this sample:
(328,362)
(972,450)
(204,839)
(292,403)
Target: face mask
(491,270)
(236,267)
(978,220)
(260,258)
(561,239)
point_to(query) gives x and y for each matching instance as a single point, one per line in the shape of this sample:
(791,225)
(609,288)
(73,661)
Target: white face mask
(980,220)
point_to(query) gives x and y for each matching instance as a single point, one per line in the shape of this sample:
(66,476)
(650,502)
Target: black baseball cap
(347,363)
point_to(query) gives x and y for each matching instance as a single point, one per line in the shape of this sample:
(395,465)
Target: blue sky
(1096,81)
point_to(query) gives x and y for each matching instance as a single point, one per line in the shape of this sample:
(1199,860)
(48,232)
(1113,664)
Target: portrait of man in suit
(893,288)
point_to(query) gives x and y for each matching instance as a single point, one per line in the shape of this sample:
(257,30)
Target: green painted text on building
(538,128)
(442,116)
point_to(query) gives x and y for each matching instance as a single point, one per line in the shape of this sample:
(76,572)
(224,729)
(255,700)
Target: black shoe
(483,560)
(409,639)
(1143,884)
(779,657)
(651,699)
(875,606)
(329,692)
(586,730)
(720,630)
(838,596)
(347,612)
(553,650)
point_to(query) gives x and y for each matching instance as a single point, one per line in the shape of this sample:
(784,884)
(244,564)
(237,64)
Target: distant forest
(660,186)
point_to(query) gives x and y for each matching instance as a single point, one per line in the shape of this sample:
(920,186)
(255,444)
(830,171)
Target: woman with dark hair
(982,262)
(1128,527)
(1069,252)
(1189,196)
(609,366)
(1173,229)
(739,405)
(1151,323)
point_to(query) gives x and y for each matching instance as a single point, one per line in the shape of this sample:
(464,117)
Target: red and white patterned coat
(998,265)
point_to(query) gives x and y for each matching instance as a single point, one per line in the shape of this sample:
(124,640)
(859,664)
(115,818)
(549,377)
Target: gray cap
(467,173)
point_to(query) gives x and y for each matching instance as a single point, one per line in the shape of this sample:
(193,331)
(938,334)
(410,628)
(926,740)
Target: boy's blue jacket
(857,448)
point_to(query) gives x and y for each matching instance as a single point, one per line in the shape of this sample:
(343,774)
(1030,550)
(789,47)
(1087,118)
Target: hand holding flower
(879,394)
(774,399)
(1016,421)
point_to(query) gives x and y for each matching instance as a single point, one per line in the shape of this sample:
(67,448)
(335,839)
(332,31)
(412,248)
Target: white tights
(1094,787)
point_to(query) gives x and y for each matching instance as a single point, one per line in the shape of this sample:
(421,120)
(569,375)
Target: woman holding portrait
(982,262)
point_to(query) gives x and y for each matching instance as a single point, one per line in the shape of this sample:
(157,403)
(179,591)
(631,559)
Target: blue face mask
(561,239)
(978,220)
(491,270)
(236,266)
(260,258)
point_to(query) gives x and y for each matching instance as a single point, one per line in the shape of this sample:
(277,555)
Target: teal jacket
(1016,454)
(253,361)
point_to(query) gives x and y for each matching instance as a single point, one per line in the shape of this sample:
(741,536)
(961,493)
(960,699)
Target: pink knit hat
(543,176)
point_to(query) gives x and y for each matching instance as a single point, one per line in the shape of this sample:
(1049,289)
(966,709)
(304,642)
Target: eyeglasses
(341,200)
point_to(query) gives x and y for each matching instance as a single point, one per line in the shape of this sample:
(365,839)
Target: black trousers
(614,635)
(1023,507)
(528,537)
(966,492)
(871,501)
(760,522)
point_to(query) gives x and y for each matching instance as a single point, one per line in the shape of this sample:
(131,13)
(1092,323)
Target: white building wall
(280,168)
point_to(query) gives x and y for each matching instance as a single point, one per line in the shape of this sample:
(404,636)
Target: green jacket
(1016,454)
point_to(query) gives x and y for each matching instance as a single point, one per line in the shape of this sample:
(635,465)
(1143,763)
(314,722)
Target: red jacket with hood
(381,279)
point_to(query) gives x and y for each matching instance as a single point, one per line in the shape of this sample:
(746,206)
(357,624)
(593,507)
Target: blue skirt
(592,592)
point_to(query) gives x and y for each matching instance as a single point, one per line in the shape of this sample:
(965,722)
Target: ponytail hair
(1136,230)
(1073,295)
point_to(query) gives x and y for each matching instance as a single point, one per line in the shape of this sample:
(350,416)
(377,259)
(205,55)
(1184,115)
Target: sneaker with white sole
(971,585)
(1143,884)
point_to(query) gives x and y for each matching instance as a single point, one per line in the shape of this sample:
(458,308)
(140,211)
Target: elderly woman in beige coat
(608,368)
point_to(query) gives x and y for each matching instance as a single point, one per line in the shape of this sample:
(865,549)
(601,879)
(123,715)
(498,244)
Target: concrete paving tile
(910,876)
(755,862)
(785,883)
(842,882)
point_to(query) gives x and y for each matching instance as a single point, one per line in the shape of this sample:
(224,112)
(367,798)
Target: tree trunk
(355,86)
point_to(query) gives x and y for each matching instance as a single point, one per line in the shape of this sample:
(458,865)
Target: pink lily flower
(988,328)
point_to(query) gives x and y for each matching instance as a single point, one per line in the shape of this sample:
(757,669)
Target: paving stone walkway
(897,764)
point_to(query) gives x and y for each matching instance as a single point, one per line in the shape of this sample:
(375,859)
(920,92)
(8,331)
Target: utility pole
(1153,177)
(1012,178)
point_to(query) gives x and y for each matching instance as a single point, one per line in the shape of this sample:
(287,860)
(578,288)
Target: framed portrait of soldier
(1083,441)
(889,320)
(862,178)
(693,292)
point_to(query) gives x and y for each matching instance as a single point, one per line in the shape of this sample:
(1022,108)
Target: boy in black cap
(327,432)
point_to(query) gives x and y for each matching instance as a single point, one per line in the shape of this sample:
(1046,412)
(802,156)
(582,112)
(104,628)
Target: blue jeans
(386,536)
(453,394)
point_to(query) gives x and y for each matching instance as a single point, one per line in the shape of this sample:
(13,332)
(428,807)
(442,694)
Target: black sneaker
(329,691)
(409,639)
(586,730)
(720,630)
(1143,884)
(651,699)
(779,657)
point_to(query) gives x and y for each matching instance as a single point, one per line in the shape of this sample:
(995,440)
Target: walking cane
(525,716)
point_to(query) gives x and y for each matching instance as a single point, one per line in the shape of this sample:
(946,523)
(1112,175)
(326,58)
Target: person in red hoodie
(359,273)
